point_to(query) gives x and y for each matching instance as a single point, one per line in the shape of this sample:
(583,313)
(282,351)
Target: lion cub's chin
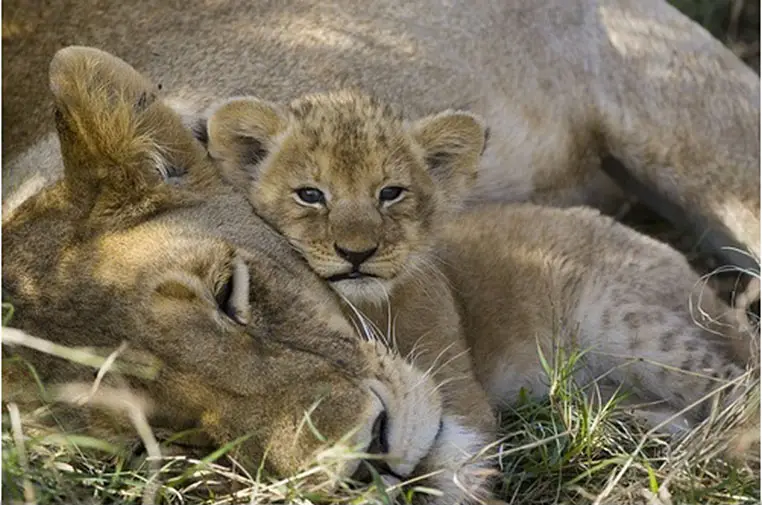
(364,290)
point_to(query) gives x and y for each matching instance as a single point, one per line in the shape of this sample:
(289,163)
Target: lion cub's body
(525,275)
(499,279)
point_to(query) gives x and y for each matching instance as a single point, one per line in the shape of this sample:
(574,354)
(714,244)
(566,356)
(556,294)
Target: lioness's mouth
(349,275)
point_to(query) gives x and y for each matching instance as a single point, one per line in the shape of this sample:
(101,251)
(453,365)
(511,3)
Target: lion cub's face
(356,190)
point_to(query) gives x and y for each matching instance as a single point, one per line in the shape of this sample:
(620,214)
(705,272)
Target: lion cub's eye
(390,194)
(311,196)
(232,296)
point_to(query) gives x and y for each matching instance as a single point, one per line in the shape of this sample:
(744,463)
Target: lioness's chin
(369,290)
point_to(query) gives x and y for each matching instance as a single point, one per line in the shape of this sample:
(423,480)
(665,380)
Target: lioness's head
(358,190)
(142,242)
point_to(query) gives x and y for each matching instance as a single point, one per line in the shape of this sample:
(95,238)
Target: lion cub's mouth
(354,274)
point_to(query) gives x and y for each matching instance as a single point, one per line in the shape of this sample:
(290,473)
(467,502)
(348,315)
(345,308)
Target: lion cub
(370,201)
(361,194)
(357,190)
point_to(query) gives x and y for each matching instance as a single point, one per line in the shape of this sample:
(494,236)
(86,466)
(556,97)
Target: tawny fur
(559,83)
(138,241)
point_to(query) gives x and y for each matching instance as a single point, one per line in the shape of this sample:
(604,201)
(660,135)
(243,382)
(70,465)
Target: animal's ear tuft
(119,142)
(241,133)
(452,142)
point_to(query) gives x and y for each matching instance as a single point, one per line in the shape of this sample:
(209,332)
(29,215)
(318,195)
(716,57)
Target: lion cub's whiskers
(390,326)
(417,276)
(369,330)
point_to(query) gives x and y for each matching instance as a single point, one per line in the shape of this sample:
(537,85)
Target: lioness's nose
(379,443)
(355,257)
(379,446)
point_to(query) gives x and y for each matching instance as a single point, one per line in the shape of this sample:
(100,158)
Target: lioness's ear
(119,142)
(241,133)
(453,142)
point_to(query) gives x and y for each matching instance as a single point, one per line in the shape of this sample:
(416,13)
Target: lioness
(141,241)
(560,84)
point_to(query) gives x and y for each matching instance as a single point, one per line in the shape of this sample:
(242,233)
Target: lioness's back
(425,55)
(198,48)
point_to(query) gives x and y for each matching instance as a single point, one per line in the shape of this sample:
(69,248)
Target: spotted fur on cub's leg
(576,279)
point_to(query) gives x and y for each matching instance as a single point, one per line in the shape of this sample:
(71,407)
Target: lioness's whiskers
(447,381)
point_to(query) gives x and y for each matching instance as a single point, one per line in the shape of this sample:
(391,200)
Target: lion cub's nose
(356,258)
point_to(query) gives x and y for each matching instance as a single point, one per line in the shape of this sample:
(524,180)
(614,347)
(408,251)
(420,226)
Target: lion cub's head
(357,189)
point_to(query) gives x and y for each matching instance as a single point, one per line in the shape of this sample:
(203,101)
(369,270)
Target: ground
(561,451)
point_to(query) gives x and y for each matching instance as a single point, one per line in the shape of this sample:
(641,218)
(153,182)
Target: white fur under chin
(367,290)
(465,477)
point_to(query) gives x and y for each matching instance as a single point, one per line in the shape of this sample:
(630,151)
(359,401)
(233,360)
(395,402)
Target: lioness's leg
(680,115)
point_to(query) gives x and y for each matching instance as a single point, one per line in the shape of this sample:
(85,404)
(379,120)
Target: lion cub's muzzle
(356,260)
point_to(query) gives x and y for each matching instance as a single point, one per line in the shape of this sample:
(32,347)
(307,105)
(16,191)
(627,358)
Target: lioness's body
(560,83)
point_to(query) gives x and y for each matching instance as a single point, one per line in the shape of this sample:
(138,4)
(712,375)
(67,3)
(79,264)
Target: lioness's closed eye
(359,191)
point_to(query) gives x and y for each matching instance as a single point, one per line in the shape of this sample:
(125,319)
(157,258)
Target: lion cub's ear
(241,133)
(119,142)
(453,142)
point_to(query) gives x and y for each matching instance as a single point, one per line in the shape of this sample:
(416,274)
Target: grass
(567,449)
(600,454)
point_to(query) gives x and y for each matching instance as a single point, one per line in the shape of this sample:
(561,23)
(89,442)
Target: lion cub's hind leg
(651,327)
